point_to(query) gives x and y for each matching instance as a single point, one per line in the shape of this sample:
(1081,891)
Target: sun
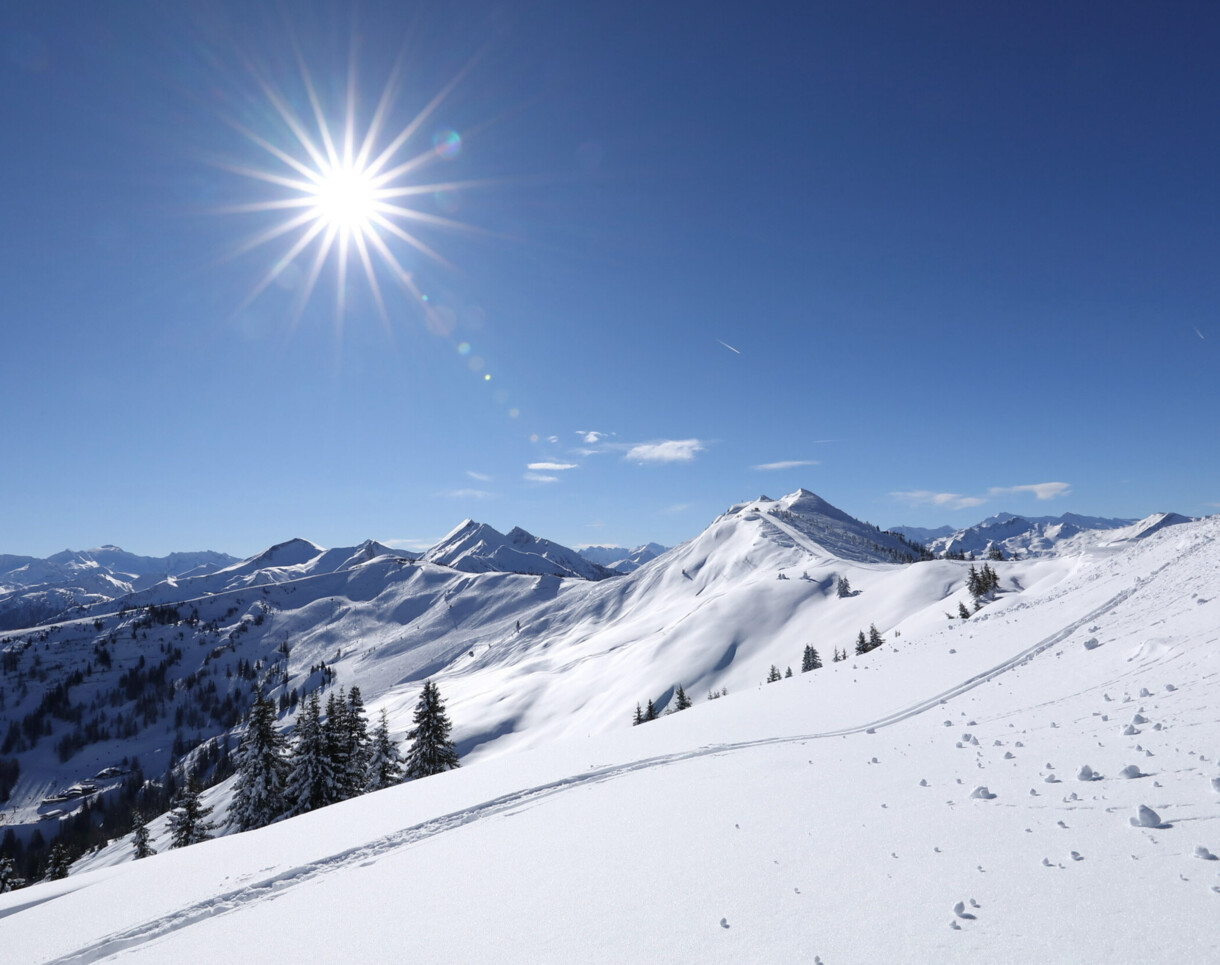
(345,198)
(349,201)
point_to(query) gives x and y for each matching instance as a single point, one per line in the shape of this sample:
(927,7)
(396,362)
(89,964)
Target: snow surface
(832,814)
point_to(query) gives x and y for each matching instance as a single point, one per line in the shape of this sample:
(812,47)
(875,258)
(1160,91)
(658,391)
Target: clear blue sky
(959,248)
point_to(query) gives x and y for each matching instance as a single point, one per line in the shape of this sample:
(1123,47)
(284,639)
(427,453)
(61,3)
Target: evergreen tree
(384,761)
(639,716)
(683,700)
(789,672)
(358,742)
(995,552)
(59,860)
(650,712)
(774,675)
(810,659)
(431,750)
(8,876)
(962,612)
(336,737)
(262,769)
(139,840)
(312,781)
(974,583)
(874,637)
(843,587)
(188,822)
(861,644)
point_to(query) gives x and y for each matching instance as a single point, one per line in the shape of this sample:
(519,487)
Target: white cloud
(786,464)
(480,476)
(539,478)
(468,494)
(925,497)
(552,439)
(1046,490)
(552,466)
(591,437)
(414,544)
(667,450)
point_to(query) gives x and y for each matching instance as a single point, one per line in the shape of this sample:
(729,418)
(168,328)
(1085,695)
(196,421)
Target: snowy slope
(920,803)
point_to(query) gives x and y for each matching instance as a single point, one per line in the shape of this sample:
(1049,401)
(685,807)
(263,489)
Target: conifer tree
(139,841)
(962,612)
(639,716)
(262,769)
(974,583)
(650,712)
(874,637)
(788,673)
(384,761)
(188,822)
(843,587)
(357,741)
(431,750)
(683,701)
(8,876)
(774,675)
(861,644)
(312,781)
(59,860)
(336,737)
(810,659)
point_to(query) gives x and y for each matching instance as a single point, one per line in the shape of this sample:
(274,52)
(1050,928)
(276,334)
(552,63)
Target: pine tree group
(983,583)
(810,659)
(431,750)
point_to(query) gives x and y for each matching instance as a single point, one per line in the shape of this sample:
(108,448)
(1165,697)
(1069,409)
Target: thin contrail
(731,349)
(1197,332)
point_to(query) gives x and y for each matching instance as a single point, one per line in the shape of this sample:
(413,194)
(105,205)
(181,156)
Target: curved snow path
(269,887)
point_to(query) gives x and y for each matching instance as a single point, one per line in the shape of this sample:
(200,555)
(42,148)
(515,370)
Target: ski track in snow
(273,886)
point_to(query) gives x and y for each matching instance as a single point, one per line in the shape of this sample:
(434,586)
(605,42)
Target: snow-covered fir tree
(336,737)
(8,876)
(683,701)
(431,750)
(874,637)
(810,660)
(861,644)
(384,764)
(312,780)
(843,587)
(59,860)
(774,675)
(262,769)
(139,840)
(356,732)
(188,823)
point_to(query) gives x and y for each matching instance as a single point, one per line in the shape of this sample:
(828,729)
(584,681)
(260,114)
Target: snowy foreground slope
(919,804)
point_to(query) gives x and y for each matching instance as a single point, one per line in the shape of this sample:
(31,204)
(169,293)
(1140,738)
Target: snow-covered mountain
(1036,782)
(478,548)
(33,590)
(1025,535)
(619,558)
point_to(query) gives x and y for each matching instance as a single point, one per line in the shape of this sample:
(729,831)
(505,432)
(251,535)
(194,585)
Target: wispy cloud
(1046,490)
(551,466)
(479,476)
(786,464)
(665,450)
(413,543)
(468,494)
(675,509)
(592,437)
(539,477)
(925,497)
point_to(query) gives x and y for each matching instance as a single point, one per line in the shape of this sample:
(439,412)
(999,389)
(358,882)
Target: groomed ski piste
(1037,783)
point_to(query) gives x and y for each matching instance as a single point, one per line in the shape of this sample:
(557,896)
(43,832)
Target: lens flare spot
(486,376)
(476,364)
(464,348)
(513,413)
(447,144)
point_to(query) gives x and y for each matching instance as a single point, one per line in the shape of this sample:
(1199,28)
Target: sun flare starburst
(348,199)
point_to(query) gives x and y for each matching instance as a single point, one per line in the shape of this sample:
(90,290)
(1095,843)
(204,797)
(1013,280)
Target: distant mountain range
(1037,536)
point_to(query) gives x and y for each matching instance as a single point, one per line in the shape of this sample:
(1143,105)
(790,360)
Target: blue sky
(931,261)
